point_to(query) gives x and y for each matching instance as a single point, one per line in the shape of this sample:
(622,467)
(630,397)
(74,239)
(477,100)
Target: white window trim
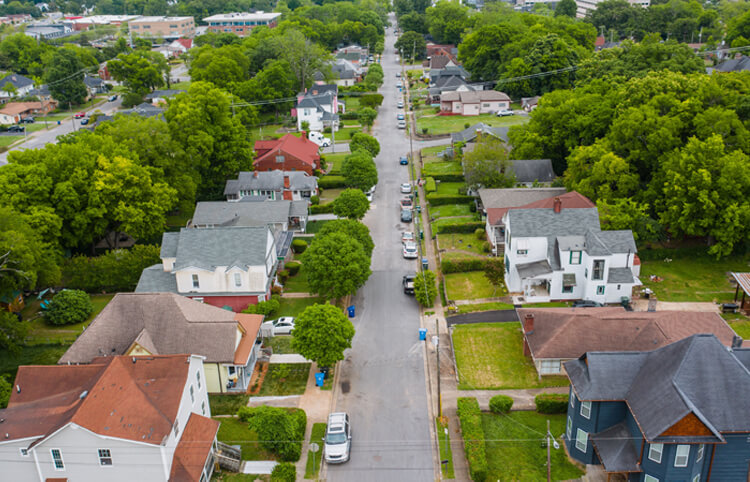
(111,459)
(652,451)
(701,452)
(697,478)
(62,461)
(650,478)
(572,398)
(548,367)
(586,405)
(237,280)
(678,455)
(569,427)
(582,435)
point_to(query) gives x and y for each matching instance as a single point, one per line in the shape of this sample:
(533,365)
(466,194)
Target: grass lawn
(285,379)
(741,327)
(449,187)
(179,219)
(184,85)
(328,381)
(264,132)
(495,305)
(463,242)
(447,210)
(335,161)
(470,285)
(314,459)
(444,441)
(351,102)
(346,133)
(433,151)
(41,354)
(314,226)
(298,282)
(514,447)
(232,431)
(42,332)
(221,476)
(281,344)
(490,356)
(444,167)
(456,256)
(294,306)
(227,404)
(8,140)
(693,278)
(328,195)
(445,124)
(456,220)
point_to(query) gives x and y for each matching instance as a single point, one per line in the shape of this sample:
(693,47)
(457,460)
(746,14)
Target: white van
(319,139)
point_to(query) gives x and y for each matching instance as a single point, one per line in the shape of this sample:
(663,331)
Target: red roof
(299,147)
(570,200)
(193,449)
(250,325)
(185,42)
(600,41)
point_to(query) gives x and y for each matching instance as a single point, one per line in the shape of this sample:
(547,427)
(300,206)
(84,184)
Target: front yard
(471,285)
(232,431)
(298,282)
(460,242)
(489,356)
(446,124)
(450,210)
(285,379)
(515,450)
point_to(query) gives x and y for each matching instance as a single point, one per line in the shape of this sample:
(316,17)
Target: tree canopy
(336,265)
(351,203)
(352,228)
(359,170)
(486,165)
(321,334)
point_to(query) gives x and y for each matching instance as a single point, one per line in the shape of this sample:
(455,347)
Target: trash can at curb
(320,378)
(425,264)
(351,311)
(422,334)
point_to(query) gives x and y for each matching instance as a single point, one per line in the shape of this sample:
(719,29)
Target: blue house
(678,413)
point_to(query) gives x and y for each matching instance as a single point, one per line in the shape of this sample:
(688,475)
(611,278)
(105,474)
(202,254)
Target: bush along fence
(551,403)
(472,432)
(441,199)
(459,228)
(448,266)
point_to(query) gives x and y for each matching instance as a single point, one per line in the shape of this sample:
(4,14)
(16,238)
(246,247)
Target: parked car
(338,440)
(112,98)
(586,304)
(398,75)
(408,283)
(410,250)
(282,326)
(504,113)
(401,124)
(403,160)
(79,115)
(400,116)
(370,193)
(16,128)
(406,203)
(399,84)
(84,121)
(406,188)
(407,236)
(400,104)
(406,215)
(27,120)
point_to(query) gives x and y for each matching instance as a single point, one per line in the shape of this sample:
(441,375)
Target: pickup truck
(408,283)
(406,203)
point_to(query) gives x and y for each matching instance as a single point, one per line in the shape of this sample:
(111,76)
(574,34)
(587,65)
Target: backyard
(515,449)
(490,356)
(285,379)
(471,285)
(446,124)
(460,242)
(298,282)
(232,431)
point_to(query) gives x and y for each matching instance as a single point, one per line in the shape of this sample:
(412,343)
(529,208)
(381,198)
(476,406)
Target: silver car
(338,440)
(410,250)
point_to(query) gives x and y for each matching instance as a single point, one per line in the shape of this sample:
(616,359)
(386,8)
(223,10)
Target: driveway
(382,380)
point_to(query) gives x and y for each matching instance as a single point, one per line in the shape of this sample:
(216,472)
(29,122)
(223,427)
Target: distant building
(290,153)
(586,6)
(163,27)
(85,23)
(273,185)
(13,112)
(48,31)
(21,86)
(241,24)
(468,103)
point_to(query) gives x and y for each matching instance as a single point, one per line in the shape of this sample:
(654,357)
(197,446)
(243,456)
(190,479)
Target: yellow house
(142,324)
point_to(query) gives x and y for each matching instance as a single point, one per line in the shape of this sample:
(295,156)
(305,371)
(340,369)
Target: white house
(274,185)
(222,266)
(562,254)
(15,85)
(318,107)
(469,102)
(117,419)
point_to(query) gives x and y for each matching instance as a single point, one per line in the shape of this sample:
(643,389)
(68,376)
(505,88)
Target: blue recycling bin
(425,264)
(58,122)
(320,378)
(351,311)
(422,334)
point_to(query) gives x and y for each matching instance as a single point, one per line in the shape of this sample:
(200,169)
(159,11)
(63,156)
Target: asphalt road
(41,138)
(382,380)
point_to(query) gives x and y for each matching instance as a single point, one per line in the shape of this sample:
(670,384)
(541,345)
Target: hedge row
(430,185)
(448,266)
(501,404)
(470,418)
(331,182)
(351,115)
(464,228)
(551,403)
(447,177)
(118,270)
(326,208)
(441,199)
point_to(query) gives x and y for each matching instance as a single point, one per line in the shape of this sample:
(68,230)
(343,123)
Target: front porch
(240,376)
(535,281)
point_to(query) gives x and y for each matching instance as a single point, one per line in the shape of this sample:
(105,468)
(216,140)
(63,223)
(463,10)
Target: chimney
(528,323)
(255,174)
(557,205)
(286,182)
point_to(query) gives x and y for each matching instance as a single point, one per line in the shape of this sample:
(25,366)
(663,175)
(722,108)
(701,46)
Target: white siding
(15,466)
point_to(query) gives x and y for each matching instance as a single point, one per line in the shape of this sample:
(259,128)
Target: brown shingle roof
(566,333)
(473,97)
(162,323)
(193,449)
(303,149)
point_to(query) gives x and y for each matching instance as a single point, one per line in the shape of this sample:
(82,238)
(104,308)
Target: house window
(567,289)
(701,450)
(655,451)
(550,366)
(600,290)
(196,282)
(582,440)
(192,394)
(237,279)
(198,377)
(682,455)
(569,427)
(105,457)
(598,272)
(650,478)
(697,478)
(522,252)
(279,158)
(575,257)
(24,452)
(57,459)
(230,370)
(203,408)
(586,409)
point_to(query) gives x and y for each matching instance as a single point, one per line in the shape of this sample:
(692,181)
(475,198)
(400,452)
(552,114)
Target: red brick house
(290,153)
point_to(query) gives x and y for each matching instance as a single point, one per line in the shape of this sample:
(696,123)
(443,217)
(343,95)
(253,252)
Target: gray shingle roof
(257,213)
(208,248)
(734,65)
(470,133)
(163,94)
(696,375)
(620,275)
(19,81)
(169,245)
(155,280)
(270,181)
(535,268)
(530,170)
(616,450)
(514,197)
(545,222)
(602,243)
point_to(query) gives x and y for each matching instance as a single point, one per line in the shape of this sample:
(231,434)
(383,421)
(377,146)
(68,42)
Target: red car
(79,115)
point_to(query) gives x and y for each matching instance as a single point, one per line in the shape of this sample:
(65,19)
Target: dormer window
(237,280)
(575,257)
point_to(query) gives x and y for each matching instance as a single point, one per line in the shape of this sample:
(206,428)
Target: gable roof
(470,133)
(474,96)
(185,42)
(451,70)
(166,323)
(496,202)
(569,200)
(92,82)
(734,65)
(300,147)
(694,377)
(112,396)
(164,94)
(251,213)
(208,248)
(194,447)
(440,61)
(565,333)
(270,181)
(17,80)
(531,170)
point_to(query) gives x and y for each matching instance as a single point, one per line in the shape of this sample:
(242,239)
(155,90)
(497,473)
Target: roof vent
(7,435)
(133,360)
(18,388)
(83,394)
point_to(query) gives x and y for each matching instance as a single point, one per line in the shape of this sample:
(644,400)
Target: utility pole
(549,466)
(437,351)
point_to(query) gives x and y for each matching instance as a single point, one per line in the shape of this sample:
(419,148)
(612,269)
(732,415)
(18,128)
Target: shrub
(464,228)
(425,130)
(551,403)
(424,288)
(486,247)
(467,125)
(278,429)
(462,265)
(117,270)
(441,199)
(282,275)
(69,307)
(264,307)
(430,185)
(299,246)
(315,200)
(351,115)
(331,182)
(293,267)
(500,404)
(479,233)
(326,208)
(470,418)
(276,290)
(361,140)
(284,472)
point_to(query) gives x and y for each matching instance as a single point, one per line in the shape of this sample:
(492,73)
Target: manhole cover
(345,386)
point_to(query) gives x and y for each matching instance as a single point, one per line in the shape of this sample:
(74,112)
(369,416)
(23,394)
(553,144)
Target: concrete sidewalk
(317,404)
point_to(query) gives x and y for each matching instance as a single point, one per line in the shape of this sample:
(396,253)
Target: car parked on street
(406,188)
(79,115)
(84,121)
(399,84)
(406,215)
(408,283)
(504,113)
(338,440)
(586,304)
(401,124)
(16,129)
(410,250)
(403,160)
(282,326)
(400,116)
(112,98)
(370,193)
(398,75)
(407,236)
(406,203)
(27,120)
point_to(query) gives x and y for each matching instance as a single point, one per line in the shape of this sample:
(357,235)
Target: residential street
(382,381)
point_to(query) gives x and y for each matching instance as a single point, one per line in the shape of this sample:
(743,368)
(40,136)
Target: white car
(400,104)
(282,326)
(504,112)
(401,124)
(407,236)
(338,440)
(410,250)
(399,84)
(406,188)
(400,116)
(370,194)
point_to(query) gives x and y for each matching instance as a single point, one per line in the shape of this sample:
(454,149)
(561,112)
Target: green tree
(284,472)
(64,76)
(630,214)
(140,72)
(5,390)
(413,22)
(69,307)
(277,429)
(12,334)
(351,203)
(366,116)
(447,21)
(494,271)
(359,170)
(360,140)
(597,173)
(22,54)
(424,288)
(566,8)
(322,333)
(412,46)
(336,265)
(304,56)
(216,143)
(353,229)
(616,15)
(221,66)
(373,100)
(487,165)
